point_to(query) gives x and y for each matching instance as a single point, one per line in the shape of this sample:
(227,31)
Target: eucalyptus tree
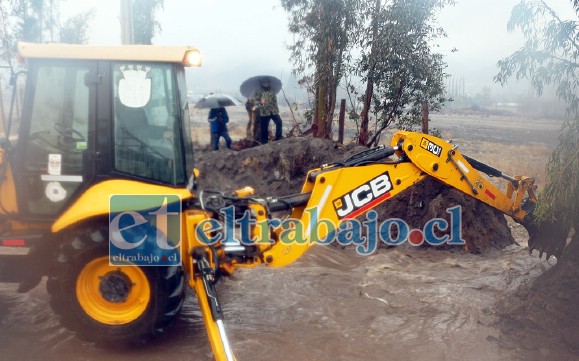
(549,57)
(74,29)
(322,32)
(30,19)
(145,23)
(398,64)
(385,43)
(38,21)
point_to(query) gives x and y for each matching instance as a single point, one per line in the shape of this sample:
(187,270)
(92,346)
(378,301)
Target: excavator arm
(348,189)
(332,195)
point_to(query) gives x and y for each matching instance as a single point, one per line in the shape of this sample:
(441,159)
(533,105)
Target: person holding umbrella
(266,101)
(218,117)
(218,120)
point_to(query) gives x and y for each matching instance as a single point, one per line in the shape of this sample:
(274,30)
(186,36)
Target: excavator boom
(346,190)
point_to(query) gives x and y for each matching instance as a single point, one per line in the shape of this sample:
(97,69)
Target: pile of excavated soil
(542,320)
(279,168)
(482,226)
(274,169)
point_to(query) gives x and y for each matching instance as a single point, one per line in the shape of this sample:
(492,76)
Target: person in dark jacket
(218,120)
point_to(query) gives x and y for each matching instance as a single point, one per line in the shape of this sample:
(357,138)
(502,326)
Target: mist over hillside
(213,79)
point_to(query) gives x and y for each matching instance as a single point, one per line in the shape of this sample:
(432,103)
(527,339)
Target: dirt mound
(482,226)
(543,319)
(279,168)
(275,169)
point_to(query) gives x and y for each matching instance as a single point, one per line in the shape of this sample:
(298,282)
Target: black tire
(165,299)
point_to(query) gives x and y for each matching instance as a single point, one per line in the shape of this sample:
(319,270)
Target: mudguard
(95,200)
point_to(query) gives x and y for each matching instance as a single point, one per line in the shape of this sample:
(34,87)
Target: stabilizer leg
(204,283)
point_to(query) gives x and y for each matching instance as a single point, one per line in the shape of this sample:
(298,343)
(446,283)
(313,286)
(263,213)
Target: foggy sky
(240,39)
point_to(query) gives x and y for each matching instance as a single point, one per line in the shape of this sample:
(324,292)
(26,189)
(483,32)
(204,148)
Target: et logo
(145,230)
(363,197)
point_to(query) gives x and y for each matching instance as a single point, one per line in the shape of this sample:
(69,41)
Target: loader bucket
(548,237)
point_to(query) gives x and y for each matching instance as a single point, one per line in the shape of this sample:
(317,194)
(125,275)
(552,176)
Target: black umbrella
(217,101)
(250,86)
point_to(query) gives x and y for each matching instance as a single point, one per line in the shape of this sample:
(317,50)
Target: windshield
(146,129)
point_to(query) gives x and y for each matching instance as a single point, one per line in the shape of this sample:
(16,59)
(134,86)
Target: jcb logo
(363,197)
(431,147)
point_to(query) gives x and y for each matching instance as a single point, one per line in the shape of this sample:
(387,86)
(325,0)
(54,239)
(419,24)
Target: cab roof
(153,53)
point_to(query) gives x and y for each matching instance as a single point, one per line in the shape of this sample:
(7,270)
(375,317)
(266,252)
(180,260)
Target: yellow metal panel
(443,161)
(8,202)
(192,218)
(95,200)
(155,53)
(330,188)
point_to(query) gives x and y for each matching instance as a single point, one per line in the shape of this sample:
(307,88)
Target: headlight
(193,58)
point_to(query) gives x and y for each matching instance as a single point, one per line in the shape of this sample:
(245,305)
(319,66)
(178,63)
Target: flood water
(398,304)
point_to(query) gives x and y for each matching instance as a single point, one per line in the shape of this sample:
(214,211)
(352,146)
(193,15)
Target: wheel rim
(112,295)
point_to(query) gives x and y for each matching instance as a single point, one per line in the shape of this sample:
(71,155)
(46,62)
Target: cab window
(146,131)
(57,136)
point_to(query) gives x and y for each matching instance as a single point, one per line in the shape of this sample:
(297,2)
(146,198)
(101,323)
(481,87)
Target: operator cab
(92,113)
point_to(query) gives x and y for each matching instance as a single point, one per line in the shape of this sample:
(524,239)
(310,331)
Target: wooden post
(252,131)
(341,120)
(424,117)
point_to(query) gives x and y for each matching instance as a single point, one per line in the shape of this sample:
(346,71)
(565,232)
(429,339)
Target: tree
(396,64)
(29,19)
(399,66)
(550,57)
(74,29)
(371,66)
(145,24)
(38,21)
(323,31)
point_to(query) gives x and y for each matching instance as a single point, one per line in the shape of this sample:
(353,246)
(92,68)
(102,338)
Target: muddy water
(398,304)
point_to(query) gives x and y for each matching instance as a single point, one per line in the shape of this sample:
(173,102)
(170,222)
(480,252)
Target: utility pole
(126,22)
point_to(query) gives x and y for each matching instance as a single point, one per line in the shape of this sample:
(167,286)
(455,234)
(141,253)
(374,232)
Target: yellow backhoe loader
(98,193)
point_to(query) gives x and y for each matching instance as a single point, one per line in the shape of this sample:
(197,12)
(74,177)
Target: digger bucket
(549,237)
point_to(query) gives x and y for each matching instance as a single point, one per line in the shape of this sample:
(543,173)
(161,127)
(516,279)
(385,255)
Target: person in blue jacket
(218,120)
